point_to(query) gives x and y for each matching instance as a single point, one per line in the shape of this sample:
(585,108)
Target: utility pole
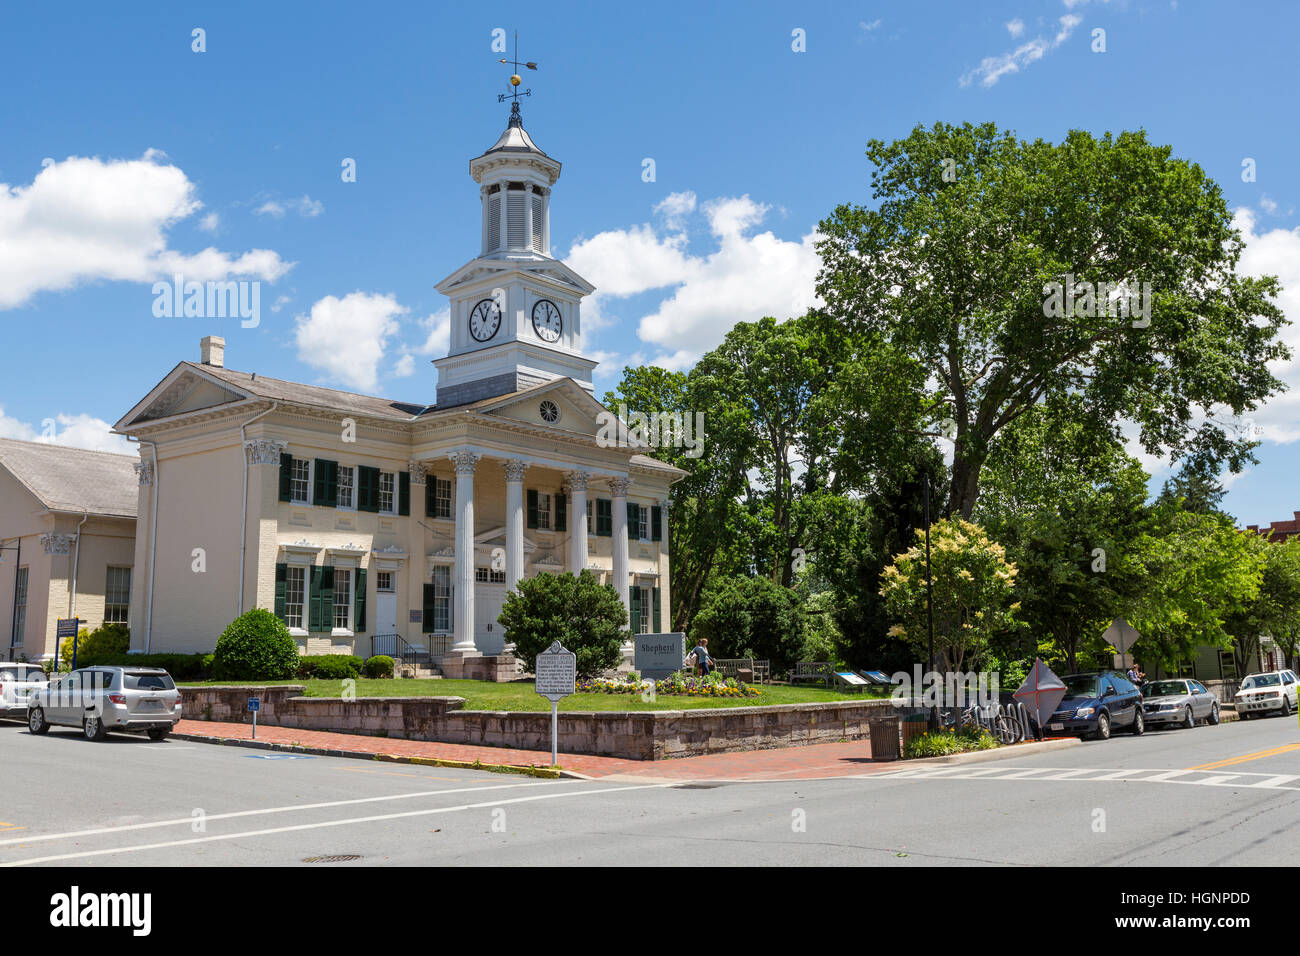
(929,602)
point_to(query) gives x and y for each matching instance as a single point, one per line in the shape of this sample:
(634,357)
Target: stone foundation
(638,735)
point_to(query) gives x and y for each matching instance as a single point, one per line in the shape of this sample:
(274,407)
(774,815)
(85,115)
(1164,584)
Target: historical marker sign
(557,672)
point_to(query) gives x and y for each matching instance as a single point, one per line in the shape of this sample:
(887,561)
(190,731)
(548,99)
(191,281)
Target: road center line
(73,834)
(325,824)
(1246,758)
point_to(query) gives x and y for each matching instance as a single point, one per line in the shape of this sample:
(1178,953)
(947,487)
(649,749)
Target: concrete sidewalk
(816,761)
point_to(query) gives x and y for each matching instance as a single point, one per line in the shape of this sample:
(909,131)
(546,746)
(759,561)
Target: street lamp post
(929,603)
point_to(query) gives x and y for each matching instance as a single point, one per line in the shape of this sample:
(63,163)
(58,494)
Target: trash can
(884,738)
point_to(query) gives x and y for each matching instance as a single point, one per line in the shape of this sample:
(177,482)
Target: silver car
(16,682)
(100,699)
(1179,701)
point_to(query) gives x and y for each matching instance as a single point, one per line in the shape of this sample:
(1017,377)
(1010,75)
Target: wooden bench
(821,671)
(732,666)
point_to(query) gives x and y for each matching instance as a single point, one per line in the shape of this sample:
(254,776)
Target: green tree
(1275,610)
(974,238)
(751,617)
(106,640)
(972,592)
(581,613)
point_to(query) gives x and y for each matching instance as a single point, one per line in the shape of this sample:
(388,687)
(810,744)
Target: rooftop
(74,479)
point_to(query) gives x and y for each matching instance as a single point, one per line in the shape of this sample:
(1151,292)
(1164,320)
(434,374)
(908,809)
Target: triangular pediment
(496,538)
(578,410)
(488,272)
(185,390)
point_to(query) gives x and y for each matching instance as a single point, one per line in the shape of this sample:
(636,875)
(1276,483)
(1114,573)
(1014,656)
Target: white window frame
(124,605)
(392,493)
(545,514)
(442,595)
(442,502)
(344,629)
(643,523)
(484,575)
(299,629)
(294,480)
(351,472)
(647,608)
(591,517)
(380,587)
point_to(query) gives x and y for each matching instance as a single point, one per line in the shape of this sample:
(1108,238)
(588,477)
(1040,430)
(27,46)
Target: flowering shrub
(941,743)
(674,686)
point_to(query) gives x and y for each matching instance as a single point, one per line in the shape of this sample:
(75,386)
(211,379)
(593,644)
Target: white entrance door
(385,613)
(488,635)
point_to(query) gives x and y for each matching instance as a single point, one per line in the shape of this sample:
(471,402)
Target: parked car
(100,699)
(1178,701)
(1097,703)
(16,682)
(1261,693)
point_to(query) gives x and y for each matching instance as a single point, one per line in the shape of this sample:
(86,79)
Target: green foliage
(256,646)
(180,666)
(330,666)
(822,638)
(942,743)
(582,614)
(379,666)
(751,617)
(107,639)
(972,592)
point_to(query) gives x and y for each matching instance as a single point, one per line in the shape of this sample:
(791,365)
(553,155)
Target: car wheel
(1214,715)
(93,728)
(158,733)
(1103,728)
(36,721)
(1189,720)
(1139,725)
(1286,706)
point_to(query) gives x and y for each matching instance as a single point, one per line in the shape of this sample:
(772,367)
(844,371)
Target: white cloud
(993,68)
(82,220)
(1015,27)
(306,207)
(280,302)
(345,338)
(405,366)
(210,222)
(675,207)
(743,279)
(873,25)
(75,431)
(437,340)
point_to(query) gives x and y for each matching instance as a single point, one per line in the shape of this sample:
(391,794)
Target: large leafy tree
(973,228)
(1275,609)
(751,617)
(578,611)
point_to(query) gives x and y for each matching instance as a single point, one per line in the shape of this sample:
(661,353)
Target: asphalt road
(1127,801)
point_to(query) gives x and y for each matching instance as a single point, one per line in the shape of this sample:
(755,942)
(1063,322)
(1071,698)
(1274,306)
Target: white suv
(1273,690)
(17,681)
(100,699)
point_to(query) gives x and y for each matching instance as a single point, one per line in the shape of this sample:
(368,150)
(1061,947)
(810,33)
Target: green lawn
(482,695)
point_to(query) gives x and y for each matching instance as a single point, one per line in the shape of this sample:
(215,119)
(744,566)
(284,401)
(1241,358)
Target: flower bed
(676,685)
(942,743)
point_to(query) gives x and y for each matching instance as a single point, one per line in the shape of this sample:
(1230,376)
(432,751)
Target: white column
(514,520)
(463,628)
(483,201)
(576,482)
(618,490)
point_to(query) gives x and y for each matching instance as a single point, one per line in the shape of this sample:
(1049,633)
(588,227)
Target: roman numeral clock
(516,312)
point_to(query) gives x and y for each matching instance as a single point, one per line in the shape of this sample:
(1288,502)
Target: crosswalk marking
(1203,778)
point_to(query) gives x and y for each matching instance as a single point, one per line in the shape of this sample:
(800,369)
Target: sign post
(254,705)
(1121,634)
(557,674)
(66,627)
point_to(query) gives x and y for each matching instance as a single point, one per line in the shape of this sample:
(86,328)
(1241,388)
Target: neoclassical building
(367,523)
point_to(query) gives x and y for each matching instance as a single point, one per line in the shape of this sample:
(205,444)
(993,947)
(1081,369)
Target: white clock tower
(515,312)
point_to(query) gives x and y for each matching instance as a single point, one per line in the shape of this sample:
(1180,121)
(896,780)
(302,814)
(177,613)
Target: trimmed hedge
(180,666)
(379,666)
(329,666)
(256,646)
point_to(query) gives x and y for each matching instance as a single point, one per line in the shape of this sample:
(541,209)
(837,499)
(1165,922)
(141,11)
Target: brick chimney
(212,348)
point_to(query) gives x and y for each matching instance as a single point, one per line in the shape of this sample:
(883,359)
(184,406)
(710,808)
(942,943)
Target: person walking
(703,662)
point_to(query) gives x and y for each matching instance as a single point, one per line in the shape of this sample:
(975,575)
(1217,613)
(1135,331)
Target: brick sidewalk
(791,763)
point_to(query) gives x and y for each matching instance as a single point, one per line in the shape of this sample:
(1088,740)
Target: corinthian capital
(263,451)
(144,471)
(464,462)
(419,471)
(576,480)
(618,487)
(514,469)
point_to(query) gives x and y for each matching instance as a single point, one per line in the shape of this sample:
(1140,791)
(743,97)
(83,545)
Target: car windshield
(1164,688)
(136,681)
(1262,680)
(1081,685)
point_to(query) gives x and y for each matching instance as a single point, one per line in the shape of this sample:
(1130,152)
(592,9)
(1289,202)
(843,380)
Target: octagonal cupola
(515,179)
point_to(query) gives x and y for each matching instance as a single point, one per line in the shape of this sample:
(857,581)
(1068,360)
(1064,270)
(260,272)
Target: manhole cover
(339,858)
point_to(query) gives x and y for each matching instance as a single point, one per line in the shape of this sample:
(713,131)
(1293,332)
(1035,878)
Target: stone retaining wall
(639,735)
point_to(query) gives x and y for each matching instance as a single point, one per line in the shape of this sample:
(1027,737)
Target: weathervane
(515,80)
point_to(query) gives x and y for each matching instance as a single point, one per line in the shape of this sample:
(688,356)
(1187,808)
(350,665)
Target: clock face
(484,320)
(547,321)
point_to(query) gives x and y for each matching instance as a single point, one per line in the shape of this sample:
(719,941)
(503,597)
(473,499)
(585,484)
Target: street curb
(546,773)
(998,753)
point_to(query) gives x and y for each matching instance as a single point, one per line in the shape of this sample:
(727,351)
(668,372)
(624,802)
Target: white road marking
(1275,781)
(74,834)
(319,826)
(1200,778)
(1218,780)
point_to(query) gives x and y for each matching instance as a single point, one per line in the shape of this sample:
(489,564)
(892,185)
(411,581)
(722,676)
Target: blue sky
(228,161)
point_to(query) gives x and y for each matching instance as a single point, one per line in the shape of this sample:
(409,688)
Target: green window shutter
(359,614)
(430,496)
(634,613)
(313,600)
(633,521)
(367,489)
(326,483)
(561,512)
(656,519)
(604,518)
(532,507)
(404,493)
(281,587)
(327,598)
(427,626)
(286,477)
(654,621)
